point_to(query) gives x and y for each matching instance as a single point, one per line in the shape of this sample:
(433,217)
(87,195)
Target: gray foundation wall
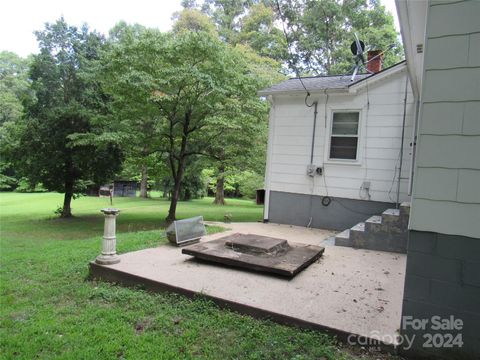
(443,279)
(341,214)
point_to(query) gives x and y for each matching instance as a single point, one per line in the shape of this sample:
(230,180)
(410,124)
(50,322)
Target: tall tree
(134,118)
(68,102)
(193,20)
(14,90)
(202,83)
(320,32)
(242,146)
(14,86)
(227,15)
(196,82)
(250,26)
(258,30)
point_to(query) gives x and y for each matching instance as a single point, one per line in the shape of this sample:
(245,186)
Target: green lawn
(50,309)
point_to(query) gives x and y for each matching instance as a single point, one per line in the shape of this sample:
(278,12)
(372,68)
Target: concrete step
(376,235)
(343,238)
(386,232)
(382,241)
(373,223)
(360,227)
(405,206)
(405,212)
(391,216)
(359,236)
(391,221)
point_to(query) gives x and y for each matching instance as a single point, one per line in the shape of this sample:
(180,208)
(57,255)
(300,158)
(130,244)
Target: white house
(335,157)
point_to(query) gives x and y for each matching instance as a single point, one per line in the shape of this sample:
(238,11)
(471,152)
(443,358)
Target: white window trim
(358,160)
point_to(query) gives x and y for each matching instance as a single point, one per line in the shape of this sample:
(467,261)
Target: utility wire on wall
(315,103)
(365,149)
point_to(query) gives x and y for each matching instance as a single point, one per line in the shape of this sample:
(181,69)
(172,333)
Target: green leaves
(56,138)
(321,32)
(184,94)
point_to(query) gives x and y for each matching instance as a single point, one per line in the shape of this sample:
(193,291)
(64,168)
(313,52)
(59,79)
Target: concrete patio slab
(257,253)
(347,291)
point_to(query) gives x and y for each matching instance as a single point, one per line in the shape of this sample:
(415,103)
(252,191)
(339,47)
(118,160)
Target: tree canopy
(67,102)
(14,86)
(14,91)
(199,86)
(133,117)
(319,32)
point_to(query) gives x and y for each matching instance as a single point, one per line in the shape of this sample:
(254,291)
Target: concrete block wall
(443,279)
(443,251)
(303,209)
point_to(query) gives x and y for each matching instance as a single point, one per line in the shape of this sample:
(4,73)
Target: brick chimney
(375,65)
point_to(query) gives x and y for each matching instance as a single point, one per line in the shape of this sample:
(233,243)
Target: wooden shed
(125,188)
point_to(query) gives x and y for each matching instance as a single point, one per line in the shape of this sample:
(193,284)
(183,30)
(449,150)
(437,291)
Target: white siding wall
(291,127)
(446,193)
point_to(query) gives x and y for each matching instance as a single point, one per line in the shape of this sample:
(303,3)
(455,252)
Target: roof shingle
(314,83)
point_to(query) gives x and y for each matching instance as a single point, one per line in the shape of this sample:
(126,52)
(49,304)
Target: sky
(20,18)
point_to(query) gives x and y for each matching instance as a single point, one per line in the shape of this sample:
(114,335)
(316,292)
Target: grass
(50,309)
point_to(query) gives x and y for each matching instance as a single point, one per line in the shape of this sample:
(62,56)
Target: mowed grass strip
(50,309)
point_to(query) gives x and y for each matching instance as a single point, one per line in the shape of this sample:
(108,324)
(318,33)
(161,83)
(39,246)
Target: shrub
(248,183)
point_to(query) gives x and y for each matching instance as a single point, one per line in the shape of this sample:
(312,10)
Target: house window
(344,139)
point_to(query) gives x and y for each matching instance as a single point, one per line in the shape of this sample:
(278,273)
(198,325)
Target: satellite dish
(357,48)
(354,47)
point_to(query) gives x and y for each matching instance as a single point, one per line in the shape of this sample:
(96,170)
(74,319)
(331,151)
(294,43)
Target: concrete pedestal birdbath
(109,242)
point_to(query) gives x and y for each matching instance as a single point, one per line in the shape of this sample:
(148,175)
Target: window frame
(357,160)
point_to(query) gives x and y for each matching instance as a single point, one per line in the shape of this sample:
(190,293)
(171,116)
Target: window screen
(344,139)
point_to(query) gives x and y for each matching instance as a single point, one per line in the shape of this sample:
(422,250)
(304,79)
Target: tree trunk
(171,217)
(172,211)
(165,194)
(220,192)
(177,171)
(144,183)
(67,210)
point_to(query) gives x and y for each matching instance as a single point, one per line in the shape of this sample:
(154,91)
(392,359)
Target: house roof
(319,83)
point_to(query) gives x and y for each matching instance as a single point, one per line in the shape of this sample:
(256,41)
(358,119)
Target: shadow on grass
(80,227)
(37,223)
(87,226)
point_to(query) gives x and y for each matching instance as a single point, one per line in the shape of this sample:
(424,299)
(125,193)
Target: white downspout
(414,145)
(401,144)
(268,169)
